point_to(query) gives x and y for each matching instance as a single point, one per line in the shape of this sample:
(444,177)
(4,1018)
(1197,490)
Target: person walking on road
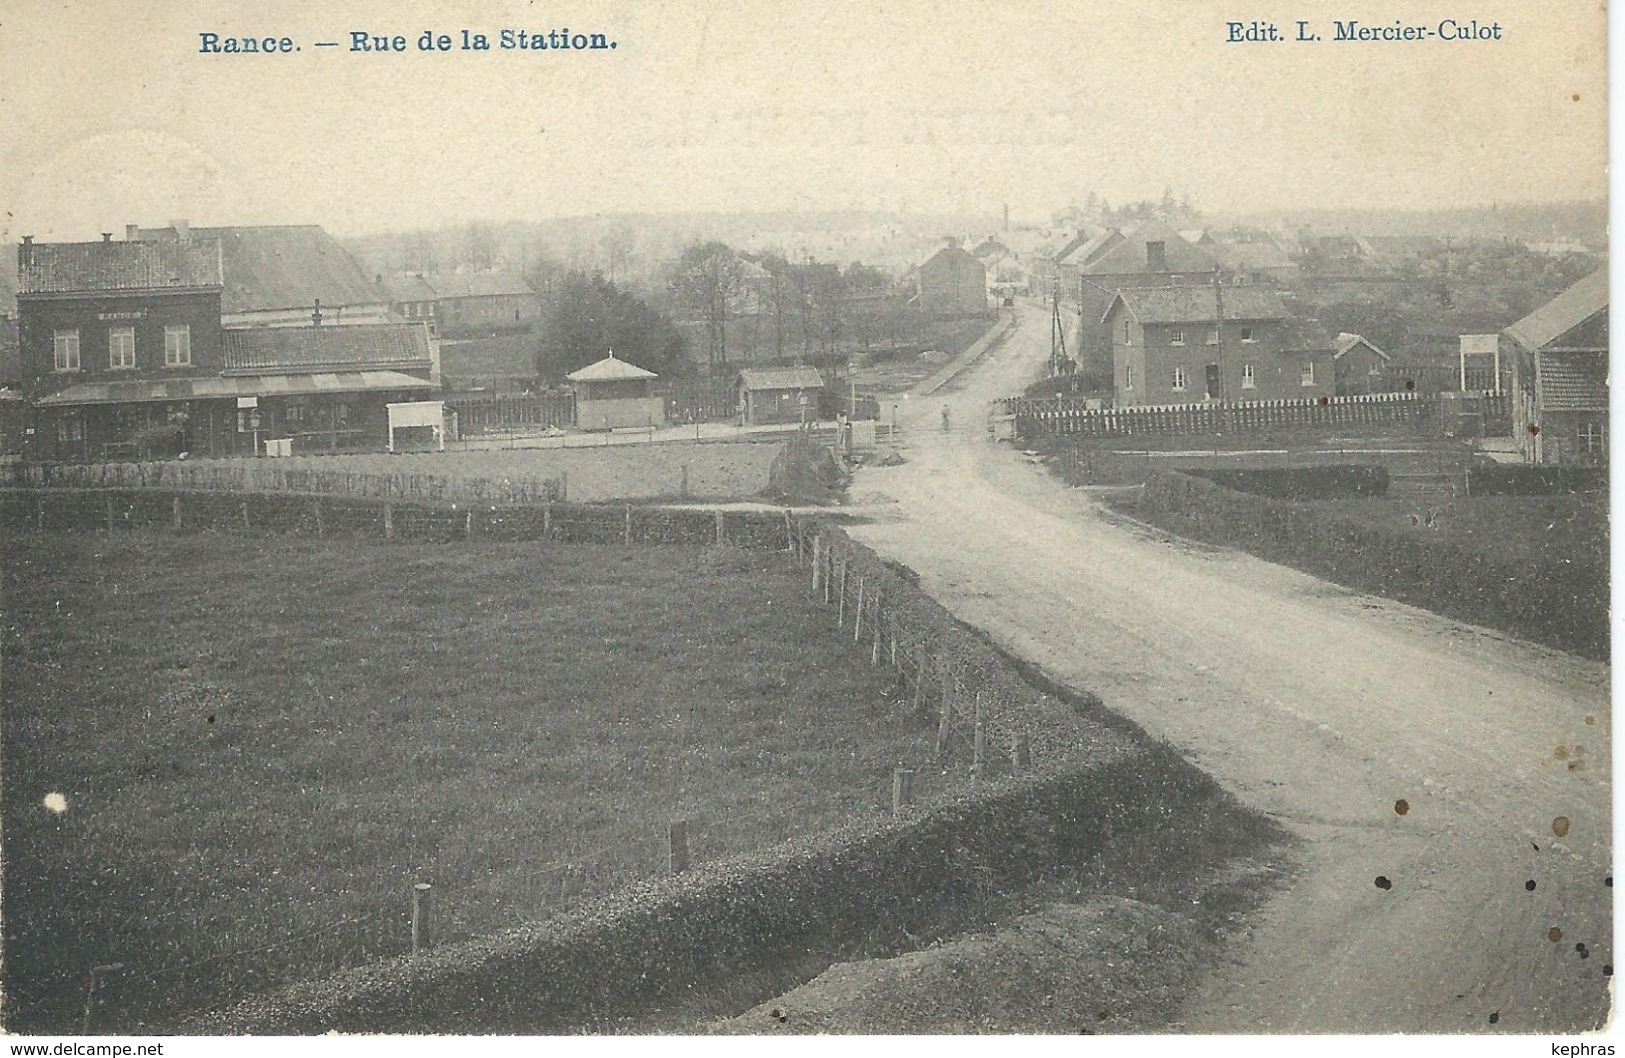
(945,418)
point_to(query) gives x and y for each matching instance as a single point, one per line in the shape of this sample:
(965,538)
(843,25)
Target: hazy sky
(112,116)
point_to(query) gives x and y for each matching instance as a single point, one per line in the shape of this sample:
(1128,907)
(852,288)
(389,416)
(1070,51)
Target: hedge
(1303,483)
(1512,479)
(1550,599)
(658,942)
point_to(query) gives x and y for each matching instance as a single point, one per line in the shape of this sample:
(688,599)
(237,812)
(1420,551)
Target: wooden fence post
(789,532)
(902,789)
(626,534)
(840,609)
(175,513)
(874,651)
(468,524)
(947,709)
(564,486)
(919,678)
(389,521)
(817,562)
(857,613)
(978,759)
(677,846)
(721,537)
(420,917)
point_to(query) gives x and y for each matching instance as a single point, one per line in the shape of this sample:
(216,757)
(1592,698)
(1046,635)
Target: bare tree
(707,283)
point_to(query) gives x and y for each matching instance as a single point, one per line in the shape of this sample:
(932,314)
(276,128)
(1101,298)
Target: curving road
(1317,705)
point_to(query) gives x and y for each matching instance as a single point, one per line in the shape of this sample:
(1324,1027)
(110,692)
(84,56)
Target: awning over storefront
(328,384)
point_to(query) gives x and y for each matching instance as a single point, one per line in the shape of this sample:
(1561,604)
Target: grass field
(255,740)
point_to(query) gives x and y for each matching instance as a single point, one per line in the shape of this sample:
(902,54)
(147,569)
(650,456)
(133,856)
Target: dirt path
(1317,705)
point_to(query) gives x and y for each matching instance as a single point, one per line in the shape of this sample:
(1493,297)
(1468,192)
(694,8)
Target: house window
(1247,334)
(70,426)
(178,346)
(1128,376)
(1176,336)
(1128,339)
(1248,381)
(66,350)
(1179,379)
(1594,436)
(295,413)
(1213,336)
(1306,374)
(121,348)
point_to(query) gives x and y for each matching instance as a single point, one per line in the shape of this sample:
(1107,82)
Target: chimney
(25,254)
(183,229)
(107,236)
(949,241)
(1156,256)
(132,233)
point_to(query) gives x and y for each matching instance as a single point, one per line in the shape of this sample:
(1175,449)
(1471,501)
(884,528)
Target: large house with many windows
(1188,344)
(122,353)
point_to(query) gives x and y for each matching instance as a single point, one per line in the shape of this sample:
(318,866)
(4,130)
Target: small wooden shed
(779,394)
(612,394)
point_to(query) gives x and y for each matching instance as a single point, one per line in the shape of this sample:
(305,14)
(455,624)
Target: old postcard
(700,518)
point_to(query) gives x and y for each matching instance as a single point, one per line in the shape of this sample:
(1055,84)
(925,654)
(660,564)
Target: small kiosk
(613,394)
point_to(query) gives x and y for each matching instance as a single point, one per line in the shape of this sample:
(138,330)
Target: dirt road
(1320,706)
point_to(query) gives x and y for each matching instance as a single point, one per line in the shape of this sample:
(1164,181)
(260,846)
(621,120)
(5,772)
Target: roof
(478,284)
(1197,304)
(1254,254)
(408,288)
(72,267)
(255,349)
(1573,382)
(1091,249)
(1563,313)
(1346,342)
(284,266)
(1302,336)
(609,369)
(242,386)
(781,378)
(950,251)
(1129,256)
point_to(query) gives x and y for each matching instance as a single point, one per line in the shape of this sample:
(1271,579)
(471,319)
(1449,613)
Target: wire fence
(975,706)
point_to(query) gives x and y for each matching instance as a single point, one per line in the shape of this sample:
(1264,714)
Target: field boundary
(1550,600)
(663,942)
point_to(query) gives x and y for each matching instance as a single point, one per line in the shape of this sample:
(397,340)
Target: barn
(779,394)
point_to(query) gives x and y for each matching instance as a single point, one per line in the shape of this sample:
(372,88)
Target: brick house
(1559,360)
(482,303)
(1189,344)
(952,282)
(123,354)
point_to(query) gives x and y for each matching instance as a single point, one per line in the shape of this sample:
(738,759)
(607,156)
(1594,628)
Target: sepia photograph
(713,518)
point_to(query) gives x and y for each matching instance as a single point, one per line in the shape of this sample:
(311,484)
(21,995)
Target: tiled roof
(609,369)
(408,288)
(478,284)
(261,349)
(1130,257)
(70,267)
(285,266)
(1196,304)
(267,385)
(1345,342)
(781,378)
(1573,381)
(1563,313)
